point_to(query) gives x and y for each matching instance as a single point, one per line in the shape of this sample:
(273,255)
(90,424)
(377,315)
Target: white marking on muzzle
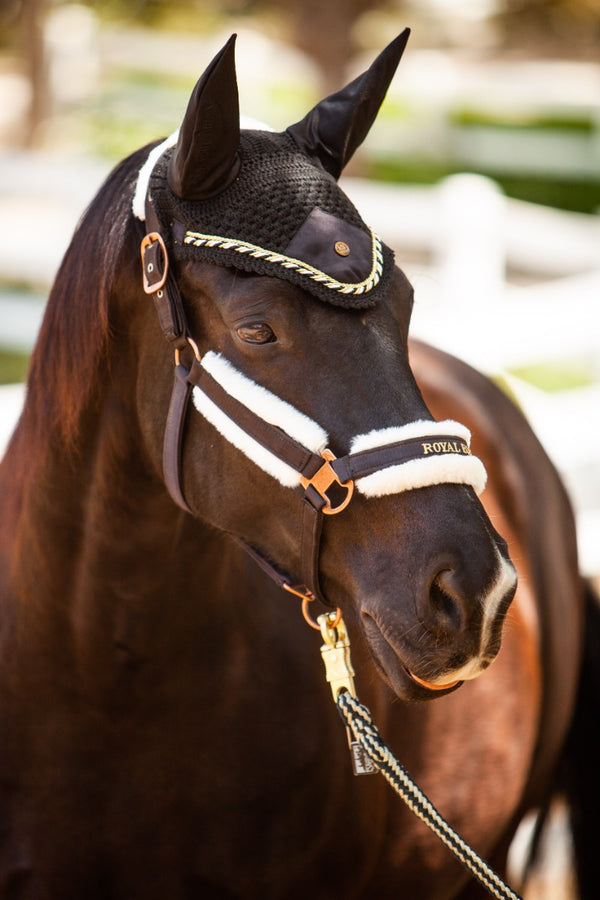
(504,582)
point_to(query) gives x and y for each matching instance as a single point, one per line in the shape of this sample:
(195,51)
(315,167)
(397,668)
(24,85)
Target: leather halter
(318,473)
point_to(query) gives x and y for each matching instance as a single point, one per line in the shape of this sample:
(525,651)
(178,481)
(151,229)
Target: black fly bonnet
(269,202)
(282,216)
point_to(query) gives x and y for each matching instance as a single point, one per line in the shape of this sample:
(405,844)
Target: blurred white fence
(499,283)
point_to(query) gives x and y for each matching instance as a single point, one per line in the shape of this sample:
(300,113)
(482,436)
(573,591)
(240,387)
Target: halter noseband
(378,463)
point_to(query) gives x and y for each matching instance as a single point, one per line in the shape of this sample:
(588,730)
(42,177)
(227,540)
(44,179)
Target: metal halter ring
(194,347)
(322,480)
(333,623)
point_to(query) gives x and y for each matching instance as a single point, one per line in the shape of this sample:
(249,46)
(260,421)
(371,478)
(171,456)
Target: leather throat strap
(173,440)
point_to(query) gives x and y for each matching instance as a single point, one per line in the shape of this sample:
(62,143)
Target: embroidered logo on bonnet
(267,202)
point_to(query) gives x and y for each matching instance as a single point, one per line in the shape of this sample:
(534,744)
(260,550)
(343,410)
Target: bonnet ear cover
(269,203)
(206,158)
(337,126)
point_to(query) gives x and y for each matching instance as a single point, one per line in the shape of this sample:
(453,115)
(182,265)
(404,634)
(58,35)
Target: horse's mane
(74,337)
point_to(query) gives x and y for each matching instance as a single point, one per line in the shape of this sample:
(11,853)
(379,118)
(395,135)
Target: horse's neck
(102,558)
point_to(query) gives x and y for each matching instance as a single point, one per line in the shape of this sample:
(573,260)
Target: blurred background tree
(22,30)
(560,27)
(32,14)
(329,32)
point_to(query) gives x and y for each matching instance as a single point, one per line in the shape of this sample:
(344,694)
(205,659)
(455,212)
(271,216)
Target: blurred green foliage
(173,14)
(13,366)
(576,195)
(132,108)
(578,122)
(557,376)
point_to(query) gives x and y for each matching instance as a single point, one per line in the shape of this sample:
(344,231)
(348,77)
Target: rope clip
(336,654)
(340,675)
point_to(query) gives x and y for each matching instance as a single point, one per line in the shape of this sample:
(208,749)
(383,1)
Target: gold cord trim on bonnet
(197,239)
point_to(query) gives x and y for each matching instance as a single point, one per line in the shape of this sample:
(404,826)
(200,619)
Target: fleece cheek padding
(269,463)
(265,404)
(453,468)
(138,205)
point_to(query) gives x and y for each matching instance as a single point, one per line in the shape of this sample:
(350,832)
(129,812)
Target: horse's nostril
(445,608)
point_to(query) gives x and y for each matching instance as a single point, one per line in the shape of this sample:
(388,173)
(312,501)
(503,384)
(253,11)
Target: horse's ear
(206,158)
(337,125)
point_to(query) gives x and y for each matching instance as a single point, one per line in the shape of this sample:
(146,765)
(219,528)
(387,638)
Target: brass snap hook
(322,480)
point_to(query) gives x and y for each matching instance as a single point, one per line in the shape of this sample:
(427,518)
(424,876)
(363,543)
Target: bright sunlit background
(482,171)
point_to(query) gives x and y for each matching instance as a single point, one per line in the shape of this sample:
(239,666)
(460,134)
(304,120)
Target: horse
(215,438)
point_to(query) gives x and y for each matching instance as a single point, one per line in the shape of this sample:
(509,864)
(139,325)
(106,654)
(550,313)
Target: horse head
(279,296)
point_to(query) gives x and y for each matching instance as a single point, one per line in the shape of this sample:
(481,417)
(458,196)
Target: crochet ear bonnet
(267,202)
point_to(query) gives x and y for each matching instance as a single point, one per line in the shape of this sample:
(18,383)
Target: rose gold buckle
(150,287)
(322,480)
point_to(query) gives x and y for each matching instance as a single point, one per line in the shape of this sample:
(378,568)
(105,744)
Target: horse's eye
(256,333)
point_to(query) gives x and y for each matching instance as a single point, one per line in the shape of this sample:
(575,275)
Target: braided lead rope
(358,718)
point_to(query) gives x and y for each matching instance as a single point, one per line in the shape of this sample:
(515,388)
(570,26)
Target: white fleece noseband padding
(269,407)
(453,467)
